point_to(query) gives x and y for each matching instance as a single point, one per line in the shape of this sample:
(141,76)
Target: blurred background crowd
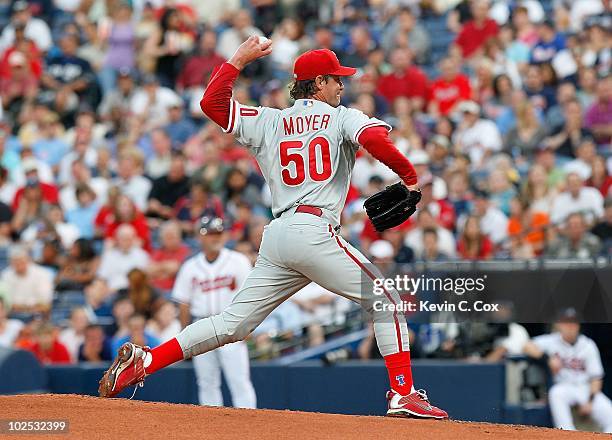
(107,162)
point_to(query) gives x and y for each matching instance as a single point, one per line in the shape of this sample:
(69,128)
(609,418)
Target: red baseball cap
(313,63)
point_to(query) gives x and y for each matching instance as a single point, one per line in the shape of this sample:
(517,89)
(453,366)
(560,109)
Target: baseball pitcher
(205,285)
(306,154)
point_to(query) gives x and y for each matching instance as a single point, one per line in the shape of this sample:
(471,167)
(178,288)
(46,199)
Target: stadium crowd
(107,162)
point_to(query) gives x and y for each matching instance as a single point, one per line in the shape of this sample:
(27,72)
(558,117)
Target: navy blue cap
(211,224)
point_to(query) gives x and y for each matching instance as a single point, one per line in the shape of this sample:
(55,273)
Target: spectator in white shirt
(73,336)
(580,10)
(152,102)
(29,286)
(500,10)
(120,259)
(577,198)
(130,181)
(159,164)
(478,138)
(367,167)
(320,308)
(35,28)
(493,221)
(414,238)
(165,323)
(9,328)
(215,12)
(585,155)
(83,151)
(81,175)
(29,163)
(242,28)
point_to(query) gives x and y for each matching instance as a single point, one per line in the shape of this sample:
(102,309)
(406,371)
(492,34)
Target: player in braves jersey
(575,364)
(205,285)
(306,153)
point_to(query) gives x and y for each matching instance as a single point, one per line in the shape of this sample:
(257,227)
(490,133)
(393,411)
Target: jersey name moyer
(301,124)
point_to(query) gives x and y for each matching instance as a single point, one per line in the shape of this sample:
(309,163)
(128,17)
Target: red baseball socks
(400,373)
(166,354)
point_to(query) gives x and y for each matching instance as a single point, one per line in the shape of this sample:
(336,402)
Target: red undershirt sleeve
(376,141)
(216,100)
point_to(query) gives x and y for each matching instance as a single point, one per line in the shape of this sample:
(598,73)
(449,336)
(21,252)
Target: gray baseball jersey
(306,152)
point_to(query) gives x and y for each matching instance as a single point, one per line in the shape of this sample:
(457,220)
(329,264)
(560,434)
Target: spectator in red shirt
(125,212)
(600,178)
(405,80)
(477,31)
(449,89)
(166,261)
(47,349)
(49,192)
(19,84)
(473,244)
(104,217)
(442,210)
(25,46)
(201,63)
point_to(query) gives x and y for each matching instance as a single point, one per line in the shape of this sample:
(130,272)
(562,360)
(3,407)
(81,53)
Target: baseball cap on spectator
(602,22)
(149,78)
(313,63)
(175,101)
(381,249)
(568,315)
(273,86)
(29,164)
(126,72)
(480,193)
(469,107)
(17,59)
(393,122)
(20,5)
(545,148)
(548,23)
(376,180)
(441,140)
(419,157)
(578,167)
(426,180)
(70,35)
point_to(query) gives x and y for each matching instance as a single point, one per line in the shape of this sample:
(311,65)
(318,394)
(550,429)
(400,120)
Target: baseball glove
(391,206)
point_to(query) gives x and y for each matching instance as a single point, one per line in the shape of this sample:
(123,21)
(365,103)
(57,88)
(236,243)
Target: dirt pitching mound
(94,418)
